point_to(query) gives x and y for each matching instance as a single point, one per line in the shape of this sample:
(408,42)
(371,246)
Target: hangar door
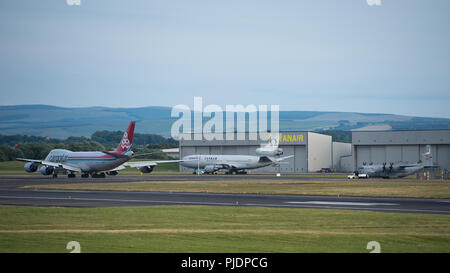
(288,165)
(410,153)
(300,159)
(362,155)
(393,154)
(187,150)
(377,155)
(215,150)
(442,156)
(202,150)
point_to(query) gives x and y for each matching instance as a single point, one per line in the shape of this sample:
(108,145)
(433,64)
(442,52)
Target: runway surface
(12,194)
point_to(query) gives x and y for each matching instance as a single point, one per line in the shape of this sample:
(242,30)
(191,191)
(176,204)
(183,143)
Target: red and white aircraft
(95,164)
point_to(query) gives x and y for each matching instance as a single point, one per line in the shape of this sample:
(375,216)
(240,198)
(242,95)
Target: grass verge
(372,188)
(218,229)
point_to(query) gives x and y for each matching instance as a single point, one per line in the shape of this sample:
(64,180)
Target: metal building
(312,151)
(378,147)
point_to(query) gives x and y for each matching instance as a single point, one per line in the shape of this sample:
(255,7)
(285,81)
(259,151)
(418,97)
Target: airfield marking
(341,203)
(114,200)
(298,205)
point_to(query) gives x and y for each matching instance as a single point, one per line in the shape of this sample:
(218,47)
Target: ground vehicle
(360,175)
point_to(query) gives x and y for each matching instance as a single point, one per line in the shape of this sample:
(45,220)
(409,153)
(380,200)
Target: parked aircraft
(393,170)
(96,164)
(210,164)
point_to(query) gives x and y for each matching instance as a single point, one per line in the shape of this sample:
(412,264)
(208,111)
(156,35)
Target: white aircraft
(95,164)
(211,164)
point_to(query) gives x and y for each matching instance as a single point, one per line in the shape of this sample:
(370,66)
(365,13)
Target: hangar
(313,151)
(377,147)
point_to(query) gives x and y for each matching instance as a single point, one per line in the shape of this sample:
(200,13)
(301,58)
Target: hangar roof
(401,137)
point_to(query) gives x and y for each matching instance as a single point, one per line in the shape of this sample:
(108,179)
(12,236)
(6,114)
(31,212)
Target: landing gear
(94,175)
(236,172)
(71,175)
(98,175)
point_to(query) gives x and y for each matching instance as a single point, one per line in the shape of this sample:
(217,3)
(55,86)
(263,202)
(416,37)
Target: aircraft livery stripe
(103,156)
(90,159)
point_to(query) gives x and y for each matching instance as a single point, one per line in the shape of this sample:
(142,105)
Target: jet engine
(46,170)
(211,168)
(31,167)
(146,169)
(269,151)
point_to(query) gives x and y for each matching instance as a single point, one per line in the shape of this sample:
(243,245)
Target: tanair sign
(291,138)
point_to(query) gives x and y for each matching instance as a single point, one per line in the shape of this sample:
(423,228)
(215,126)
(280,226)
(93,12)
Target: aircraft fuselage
(88,162)
(236,162)
(380,171)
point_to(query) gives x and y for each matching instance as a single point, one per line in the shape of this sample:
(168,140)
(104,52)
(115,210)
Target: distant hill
(61,122)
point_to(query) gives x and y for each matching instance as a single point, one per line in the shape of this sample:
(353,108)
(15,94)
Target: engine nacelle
(46,170)
(31,167)
(211,168)
(146,169)
(269,151)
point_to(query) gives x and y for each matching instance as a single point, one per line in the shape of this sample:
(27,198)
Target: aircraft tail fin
(427,156)
(272,142)
(127,139)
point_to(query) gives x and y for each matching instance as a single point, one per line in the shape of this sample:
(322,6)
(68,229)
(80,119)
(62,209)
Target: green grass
(11,166)
(218,229)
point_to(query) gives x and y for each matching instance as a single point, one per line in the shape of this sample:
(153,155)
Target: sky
(316,55)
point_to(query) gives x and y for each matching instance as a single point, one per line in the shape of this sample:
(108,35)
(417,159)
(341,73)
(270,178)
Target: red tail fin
(127,139)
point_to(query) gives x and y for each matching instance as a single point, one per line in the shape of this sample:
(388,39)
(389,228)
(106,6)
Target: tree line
(37,147)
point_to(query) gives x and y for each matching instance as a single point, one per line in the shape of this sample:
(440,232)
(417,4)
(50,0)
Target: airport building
(377,147)
(312,151)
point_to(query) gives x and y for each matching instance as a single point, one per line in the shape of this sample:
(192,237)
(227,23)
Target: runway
(12,194)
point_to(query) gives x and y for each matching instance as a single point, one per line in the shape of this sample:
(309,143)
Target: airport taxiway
(11,193)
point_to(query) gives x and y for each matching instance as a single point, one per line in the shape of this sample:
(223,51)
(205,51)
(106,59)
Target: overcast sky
(323,55)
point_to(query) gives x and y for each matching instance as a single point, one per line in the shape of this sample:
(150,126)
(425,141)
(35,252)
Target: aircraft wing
(61,165)
(402,166)
(29,160)
(284,157)
(121,167)
(267,159)
(53,164)
(138,164)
